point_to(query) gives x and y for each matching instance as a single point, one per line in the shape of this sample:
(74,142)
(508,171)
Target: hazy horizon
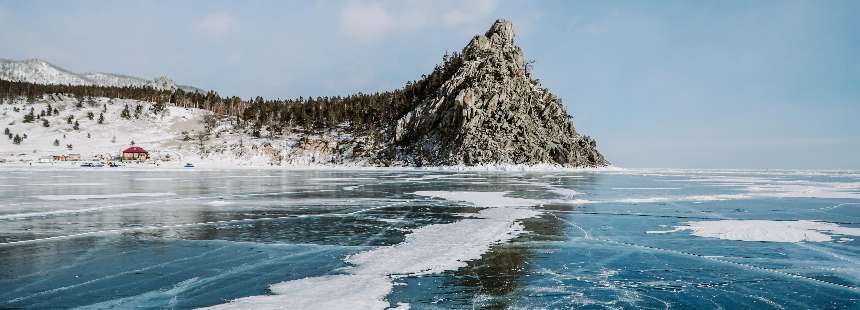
(674,84)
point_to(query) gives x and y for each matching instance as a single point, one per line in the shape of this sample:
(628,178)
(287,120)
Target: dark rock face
(491,111)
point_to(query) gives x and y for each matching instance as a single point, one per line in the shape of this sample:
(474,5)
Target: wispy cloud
(367,21)
(216,24)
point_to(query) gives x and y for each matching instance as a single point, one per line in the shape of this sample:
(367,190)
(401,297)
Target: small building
(67,157)
(135,153)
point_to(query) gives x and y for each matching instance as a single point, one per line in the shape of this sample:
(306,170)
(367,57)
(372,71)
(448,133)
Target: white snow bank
(646,188)
(482,199)
(66,184)
(219,203)
(835,190)
(765,230)
(326,292)
(436,248)
(107,196)
(427,250)
(515,167)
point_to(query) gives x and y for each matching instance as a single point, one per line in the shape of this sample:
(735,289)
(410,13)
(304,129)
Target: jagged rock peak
(502,28)
(499,37)
(491,111)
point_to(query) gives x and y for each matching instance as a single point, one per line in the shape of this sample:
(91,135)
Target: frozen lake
(102,239)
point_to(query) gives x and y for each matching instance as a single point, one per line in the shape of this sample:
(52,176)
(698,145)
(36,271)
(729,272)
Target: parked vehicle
(189,165)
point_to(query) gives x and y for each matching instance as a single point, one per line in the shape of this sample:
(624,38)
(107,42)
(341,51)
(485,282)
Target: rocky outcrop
(491,111)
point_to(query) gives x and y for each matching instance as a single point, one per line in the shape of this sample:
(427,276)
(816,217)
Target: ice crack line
(159,227)
(728,262)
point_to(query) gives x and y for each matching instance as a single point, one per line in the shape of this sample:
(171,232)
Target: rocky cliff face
(491,111)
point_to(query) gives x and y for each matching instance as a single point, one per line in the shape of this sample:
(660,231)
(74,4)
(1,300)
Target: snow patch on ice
(219,203)
(426,250)
(835,190)
(766,230)
(719,197)
(107,196)
(482,199)
(66,184)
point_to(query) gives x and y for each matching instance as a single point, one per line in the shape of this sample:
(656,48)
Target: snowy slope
(42,72)
(175,133)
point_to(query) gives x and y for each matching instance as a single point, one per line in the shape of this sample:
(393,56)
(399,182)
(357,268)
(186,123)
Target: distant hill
(42,72)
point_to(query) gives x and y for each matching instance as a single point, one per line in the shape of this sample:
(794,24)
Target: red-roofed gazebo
(135,153)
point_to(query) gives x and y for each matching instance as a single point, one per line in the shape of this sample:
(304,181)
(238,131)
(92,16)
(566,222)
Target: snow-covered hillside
(42,72)
(173,136)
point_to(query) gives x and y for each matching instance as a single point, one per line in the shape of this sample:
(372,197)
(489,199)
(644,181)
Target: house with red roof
(135,153)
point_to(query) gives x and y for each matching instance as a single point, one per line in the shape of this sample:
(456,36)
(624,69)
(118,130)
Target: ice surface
(429,238)
(427,250)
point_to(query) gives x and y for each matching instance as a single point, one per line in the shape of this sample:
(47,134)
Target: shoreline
(206,166)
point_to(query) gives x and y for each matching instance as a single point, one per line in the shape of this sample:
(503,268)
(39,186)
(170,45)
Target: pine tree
(159,105)
(69,119)
(50,110)
(101,118)
(45,123)
(56,142)
(29,117)
(90,115)
(126,114)
(76,126)
(104,108)
(17,139)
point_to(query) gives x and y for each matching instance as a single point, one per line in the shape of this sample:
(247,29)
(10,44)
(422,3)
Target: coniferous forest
(359,111)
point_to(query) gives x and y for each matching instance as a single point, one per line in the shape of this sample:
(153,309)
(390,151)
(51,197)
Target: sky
(681,84)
